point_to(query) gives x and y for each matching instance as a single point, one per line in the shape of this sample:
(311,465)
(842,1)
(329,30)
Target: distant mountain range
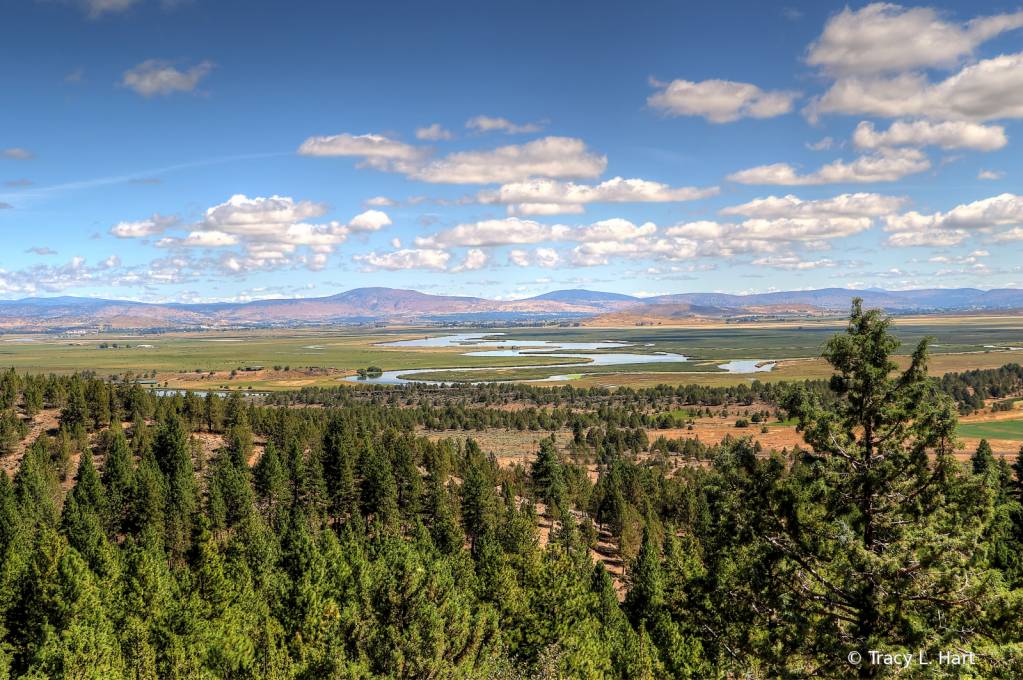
(389,304)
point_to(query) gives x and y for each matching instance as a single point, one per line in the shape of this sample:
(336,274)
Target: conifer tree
(32,399)
(316,498)
(478,503)
(408,481)
(270,477)
(983,459)
(548,478)
(272,659)
(118,471)
(303,567)
(211,582)
(141,436)
(1017,470)
(646,597)
(82,521)
(612,510)
(88,490)
(147,510)
(868,544)
(234,411)
(239,444)
(213,411)
(230,485)
(76,410)
(97,398)
(35,487)
(444,529)
(173,455)
(606,606)
(338,447)
(139,652)
(588,534)
(298,474)
(63,453)
(378,491)
(63,630)
(12,543)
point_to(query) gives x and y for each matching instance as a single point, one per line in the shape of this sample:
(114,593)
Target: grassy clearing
(1005,429)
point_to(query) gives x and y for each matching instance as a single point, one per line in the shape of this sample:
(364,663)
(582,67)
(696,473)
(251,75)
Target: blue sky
(201,150)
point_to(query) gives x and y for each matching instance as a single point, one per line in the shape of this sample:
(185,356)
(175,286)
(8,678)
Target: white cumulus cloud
(554,157)
(884,37)
(987,90)
(845,205)
(947,135)
(960,259)
(159,77)
(369,221)
(793,263)
(270,230)
(17,153)
(376,149)
(509,231)
(1001,210)
(431,260)
(887,165)
(540,257)
(515,231)
(154,226)
(537,209)
(615,190)
(719,101)
(434,133)
(487,124)
(930,239)
(474,259)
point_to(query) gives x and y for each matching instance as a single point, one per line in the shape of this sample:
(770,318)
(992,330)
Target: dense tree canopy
(362,532)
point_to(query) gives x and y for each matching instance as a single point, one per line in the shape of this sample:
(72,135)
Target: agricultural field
(1008,430)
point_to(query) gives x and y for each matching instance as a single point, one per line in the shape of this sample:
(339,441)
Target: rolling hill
(389,304)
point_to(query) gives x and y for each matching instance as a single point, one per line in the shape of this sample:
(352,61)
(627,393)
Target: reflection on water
(503,347)
(203,393)
(529,349)
(478,340)
(753,366)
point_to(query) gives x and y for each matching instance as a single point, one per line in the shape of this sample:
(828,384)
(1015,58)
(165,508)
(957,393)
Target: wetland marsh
(285,359)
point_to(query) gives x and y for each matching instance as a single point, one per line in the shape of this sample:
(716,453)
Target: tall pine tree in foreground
(868,542)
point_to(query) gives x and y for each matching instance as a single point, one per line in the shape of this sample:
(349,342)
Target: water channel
(535,348)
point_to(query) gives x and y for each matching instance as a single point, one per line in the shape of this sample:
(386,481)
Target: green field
(1008,429)
(784,423)
(216,351)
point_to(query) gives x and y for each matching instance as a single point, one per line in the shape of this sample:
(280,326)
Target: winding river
(531,349)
